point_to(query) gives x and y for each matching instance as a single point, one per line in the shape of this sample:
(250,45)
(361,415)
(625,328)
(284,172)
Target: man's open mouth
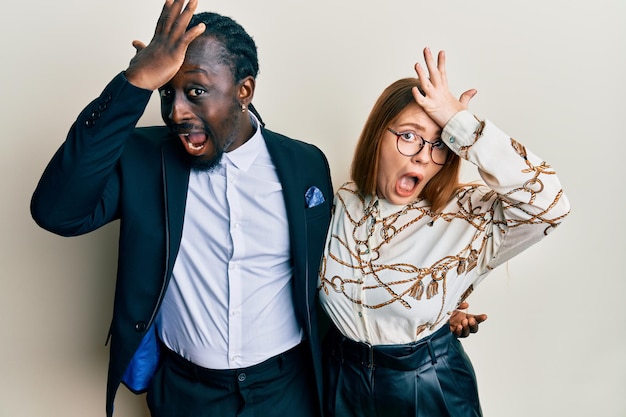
(194,140)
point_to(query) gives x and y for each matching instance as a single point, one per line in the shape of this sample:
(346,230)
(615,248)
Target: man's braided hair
(240,52)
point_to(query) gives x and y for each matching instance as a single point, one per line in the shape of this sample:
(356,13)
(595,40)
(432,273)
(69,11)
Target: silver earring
(243,108)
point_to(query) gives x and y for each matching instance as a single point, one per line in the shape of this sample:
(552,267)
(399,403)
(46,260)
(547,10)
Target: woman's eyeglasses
(410,143)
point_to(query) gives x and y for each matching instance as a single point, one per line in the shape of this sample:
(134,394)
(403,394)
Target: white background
(548,72)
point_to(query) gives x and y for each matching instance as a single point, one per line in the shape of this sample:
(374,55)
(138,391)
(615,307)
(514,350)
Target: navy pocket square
(313,197)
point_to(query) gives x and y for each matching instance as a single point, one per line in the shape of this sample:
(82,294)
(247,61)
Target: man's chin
(204,163)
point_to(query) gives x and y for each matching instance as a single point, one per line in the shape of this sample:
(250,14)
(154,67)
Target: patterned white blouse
(391,274)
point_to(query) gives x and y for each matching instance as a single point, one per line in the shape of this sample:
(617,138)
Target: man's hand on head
(156,63)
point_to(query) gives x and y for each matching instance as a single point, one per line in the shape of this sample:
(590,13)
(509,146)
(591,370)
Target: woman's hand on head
(437,100)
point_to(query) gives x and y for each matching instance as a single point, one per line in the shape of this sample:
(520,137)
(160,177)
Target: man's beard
(208,165)
(201,164)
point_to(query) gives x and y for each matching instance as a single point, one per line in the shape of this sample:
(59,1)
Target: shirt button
(360,314)
(451,140)
(241,377)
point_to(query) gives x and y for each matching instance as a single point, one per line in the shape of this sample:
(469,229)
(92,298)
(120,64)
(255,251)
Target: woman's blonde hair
(364,171)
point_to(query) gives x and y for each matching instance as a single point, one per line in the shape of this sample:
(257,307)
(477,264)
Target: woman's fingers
(467,96)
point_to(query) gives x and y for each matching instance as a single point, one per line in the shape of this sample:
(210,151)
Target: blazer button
(90,122)
(140,326)
(102,107)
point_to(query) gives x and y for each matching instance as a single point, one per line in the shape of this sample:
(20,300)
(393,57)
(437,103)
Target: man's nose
(179,111)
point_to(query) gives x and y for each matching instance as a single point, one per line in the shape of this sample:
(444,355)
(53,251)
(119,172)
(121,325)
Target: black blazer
(107,170)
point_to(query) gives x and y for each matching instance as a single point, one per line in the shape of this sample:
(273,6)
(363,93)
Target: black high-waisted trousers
(430,378)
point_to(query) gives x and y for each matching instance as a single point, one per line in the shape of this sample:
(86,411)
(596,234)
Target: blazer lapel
(175,169)
(285,160)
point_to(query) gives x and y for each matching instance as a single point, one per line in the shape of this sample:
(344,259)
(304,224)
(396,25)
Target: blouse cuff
(461,130)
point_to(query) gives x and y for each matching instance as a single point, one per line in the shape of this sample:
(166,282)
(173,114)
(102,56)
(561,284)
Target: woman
(408,243)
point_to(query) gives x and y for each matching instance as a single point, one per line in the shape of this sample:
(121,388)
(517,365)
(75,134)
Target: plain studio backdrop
(548,72)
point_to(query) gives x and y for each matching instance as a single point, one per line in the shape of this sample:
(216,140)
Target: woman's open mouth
(406,185)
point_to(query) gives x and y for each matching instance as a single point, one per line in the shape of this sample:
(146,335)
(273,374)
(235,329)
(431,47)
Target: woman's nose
(423,156)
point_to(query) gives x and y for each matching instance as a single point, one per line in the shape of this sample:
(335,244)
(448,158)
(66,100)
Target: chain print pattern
(419,281)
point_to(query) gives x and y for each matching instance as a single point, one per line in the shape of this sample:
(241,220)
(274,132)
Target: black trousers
(281,386)
(430,378)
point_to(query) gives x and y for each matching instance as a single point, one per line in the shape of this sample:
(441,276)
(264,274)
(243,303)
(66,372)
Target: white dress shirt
(229,303)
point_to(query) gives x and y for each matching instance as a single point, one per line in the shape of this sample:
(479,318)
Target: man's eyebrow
(196,70)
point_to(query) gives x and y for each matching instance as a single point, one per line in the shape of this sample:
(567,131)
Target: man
(222,224)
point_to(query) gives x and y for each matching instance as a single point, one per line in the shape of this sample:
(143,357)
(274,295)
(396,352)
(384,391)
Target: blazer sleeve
(79,189)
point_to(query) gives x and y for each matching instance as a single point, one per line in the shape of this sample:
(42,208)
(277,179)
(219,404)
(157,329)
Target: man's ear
(246,90)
